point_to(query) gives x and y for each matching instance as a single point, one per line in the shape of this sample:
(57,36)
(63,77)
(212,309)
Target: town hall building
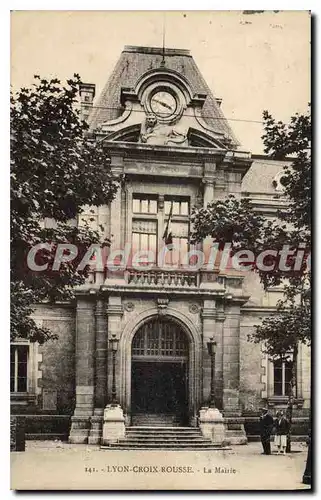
(138,336)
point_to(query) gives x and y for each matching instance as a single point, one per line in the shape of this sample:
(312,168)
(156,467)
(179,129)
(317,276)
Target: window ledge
(283,401)
(22,398)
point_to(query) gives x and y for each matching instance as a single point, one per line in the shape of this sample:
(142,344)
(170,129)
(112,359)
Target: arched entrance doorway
(159,385)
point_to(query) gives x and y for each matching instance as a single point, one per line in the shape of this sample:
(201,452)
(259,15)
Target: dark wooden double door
(160,372)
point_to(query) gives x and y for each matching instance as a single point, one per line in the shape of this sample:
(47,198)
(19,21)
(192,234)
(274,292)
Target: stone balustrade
(162,278)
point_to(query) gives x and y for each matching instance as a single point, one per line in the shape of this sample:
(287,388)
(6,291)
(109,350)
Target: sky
(252,61)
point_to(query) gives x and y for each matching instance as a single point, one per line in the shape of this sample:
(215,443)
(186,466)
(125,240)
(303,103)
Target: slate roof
(134,62)
(260,176)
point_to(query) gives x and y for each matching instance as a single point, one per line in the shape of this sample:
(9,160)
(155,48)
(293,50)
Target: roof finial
(163,55)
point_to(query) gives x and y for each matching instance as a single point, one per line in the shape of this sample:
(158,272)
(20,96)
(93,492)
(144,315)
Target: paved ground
(60,466)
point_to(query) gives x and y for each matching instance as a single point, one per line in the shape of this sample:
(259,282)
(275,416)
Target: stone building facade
(167,137)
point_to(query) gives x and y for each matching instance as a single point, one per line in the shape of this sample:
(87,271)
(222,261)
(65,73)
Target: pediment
(195,138)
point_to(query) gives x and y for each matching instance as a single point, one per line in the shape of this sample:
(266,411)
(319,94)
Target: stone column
(116,225)
(211,420)
(208,317)
(114,313)
(219,329)
(114,418)
(115,221)
(209,175)
(231,360)
(85,357)
(208,190)
(208,181)
(101,356)
(100,373)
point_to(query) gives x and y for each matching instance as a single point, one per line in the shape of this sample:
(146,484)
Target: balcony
(162,279)
(158,278)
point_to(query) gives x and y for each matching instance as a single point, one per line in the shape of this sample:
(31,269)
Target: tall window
(150,219)
(19,355)
(144,227)
(144,204)
(179,227)
(282,370)
(180,244)
(145,236)
(180,207)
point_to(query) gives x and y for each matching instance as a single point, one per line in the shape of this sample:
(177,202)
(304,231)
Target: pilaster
(100,399)
(114,315)
(115,209)
(219,365)
(209,180)
(208,319)
(208,196)
(231,360)
(101,355)
(85,358)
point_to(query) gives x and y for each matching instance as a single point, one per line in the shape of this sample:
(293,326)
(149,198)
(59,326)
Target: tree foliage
(235,221)
(55,171)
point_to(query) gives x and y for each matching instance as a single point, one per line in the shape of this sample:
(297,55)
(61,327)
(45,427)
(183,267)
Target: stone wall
(251,369)
(256,370)
(306,375)
(58,366)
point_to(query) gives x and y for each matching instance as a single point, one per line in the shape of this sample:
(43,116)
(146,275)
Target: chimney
(87,94)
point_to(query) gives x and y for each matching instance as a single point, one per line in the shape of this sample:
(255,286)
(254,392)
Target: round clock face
(163,104)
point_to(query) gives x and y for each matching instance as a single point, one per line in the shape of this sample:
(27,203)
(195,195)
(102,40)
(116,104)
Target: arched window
(160,338)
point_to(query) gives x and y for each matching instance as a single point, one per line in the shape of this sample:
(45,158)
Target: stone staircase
(154,420)
(163,438)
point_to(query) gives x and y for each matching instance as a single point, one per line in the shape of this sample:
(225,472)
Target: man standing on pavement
(282,430)
(266,426)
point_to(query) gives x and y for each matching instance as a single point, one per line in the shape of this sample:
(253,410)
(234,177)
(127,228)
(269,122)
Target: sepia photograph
(160,246)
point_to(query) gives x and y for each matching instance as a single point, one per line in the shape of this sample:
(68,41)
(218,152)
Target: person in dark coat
(307,476)
(266,426)
(282,427)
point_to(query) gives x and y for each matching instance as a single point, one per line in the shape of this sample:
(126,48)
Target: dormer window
(279,181)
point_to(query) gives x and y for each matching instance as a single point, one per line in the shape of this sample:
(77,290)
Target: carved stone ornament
(129,306)
(154,132)
(162,306)
(200,195)
(194,308)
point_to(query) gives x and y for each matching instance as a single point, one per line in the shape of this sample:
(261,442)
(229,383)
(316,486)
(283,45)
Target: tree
(56,169)
(235,221)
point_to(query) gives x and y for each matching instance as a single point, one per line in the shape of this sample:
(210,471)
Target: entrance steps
(163,438)
(155,420)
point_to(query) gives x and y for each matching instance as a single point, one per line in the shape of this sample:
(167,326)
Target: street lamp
(211,347)
(113,342)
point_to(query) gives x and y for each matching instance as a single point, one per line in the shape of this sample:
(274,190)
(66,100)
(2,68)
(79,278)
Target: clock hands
(163,103)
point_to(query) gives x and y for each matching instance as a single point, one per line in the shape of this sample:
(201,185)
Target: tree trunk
(292,396)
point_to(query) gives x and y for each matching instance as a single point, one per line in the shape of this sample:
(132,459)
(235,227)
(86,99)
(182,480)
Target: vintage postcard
(160,250)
